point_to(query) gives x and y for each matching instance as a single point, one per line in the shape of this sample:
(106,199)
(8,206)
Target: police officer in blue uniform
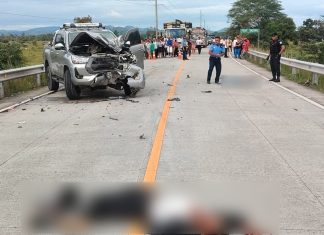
(276,49)
(216,51)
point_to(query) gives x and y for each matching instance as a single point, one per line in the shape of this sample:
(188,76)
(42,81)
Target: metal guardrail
(314,68)
(11,74)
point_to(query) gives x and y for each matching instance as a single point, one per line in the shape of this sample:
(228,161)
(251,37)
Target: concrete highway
(243,129)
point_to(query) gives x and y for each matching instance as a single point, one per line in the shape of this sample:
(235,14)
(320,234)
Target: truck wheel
(72,92)
(52,84)
(127,90)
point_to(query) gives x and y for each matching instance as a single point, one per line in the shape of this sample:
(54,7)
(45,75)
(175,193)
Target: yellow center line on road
(154,158)
(153,162)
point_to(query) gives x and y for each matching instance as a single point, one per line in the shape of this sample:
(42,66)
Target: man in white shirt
(199,43)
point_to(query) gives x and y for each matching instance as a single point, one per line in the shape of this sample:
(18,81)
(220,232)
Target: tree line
(306,41)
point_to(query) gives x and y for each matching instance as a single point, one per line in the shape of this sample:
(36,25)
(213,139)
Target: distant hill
(52,29)
(34,31)
(222,30)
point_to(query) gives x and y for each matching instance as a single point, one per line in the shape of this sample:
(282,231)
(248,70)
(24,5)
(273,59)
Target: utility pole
(204,23)
(156,20)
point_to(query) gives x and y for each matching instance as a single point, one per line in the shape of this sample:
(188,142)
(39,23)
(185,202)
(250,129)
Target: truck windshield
(107,34)
(175,33)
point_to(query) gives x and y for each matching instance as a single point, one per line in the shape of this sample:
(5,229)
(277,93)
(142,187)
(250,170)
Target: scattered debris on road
(112,118)
(296,109)
(168,84)
(20,124)
(188,76)
(174,99)
(142,137)
(76,124)
(206,91)
(132,101)
(23,109)
(42,110)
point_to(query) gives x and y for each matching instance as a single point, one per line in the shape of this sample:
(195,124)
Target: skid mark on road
(154,158)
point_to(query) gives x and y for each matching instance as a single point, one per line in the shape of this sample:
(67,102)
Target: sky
(27,14)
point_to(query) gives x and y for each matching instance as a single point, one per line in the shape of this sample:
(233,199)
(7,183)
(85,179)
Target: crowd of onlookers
(170,47)
(239,46)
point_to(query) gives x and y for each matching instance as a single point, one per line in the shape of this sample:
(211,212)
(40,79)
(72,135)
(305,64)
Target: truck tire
(72,92)
(127,90)
(52,84)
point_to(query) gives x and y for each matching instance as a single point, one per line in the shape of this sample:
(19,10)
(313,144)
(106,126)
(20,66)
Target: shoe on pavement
(272,80)
(208,82)
(277,80)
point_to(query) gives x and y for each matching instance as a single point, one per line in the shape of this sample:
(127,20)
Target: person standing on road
(276,49)
(230,42)
(216,51)
(156,52)
(189,47)
(238,47)
(245,46)
(185,48)
(199,43)
(152,50)
(226,41)
(175,48)
(169,43)
(233,45)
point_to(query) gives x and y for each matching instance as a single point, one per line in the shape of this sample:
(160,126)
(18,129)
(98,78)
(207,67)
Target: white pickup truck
(88,55)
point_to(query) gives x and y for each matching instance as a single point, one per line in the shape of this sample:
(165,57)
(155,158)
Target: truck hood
(95,38)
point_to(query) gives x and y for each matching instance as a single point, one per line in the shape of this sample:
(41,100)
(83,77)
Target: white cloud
(139,13)
(114,14)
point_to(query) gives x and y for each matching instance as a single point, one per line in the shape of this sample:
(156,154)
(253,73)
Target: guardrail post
(38,79)
(260,60)
(294,72)
(315,78)
(1,90)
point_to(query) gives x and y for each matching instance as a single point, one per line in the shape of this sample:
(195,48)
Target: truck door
(57,54)
(134,38)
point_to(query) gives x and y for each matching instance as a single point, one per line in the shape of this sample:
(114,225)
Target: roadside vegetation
(20,51)
(302,43)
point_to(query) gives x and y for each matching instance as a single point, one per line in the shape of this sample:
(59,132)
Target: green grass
(32,55)
(302,77)
(33,52)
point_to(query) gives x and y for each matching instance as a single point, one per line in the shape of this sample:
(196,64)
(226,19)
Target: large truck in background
(178,29)
(199,32)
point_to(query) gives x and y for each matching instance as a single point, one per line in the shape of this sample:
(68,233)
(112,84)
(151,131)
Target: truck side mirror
(127,45)
(59,46)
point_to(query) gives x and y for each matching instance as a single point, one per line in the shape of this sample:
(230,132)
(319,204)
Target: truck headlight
(79,59)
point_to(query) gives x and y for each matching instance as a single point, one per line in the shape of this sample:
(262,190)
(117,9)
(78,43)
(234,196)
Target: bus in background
(177,29)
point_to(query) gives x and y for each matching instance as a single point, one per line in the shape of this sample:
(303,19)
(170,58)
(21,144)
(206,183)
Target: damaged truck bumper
(136,77)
